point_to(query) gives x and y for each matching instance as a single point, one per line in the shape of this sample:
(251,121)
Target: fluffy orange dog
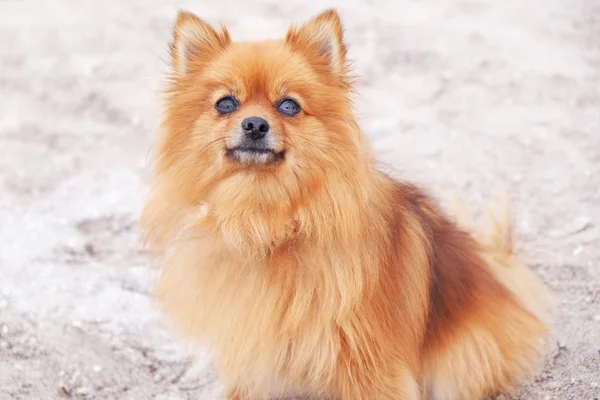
(305,269)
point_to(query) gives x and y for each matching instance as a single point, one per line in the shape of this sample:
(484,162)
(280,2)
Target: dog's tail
(496,237)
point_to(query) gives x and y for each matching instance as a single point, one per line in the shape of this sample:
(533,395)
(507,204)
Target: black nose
(255,127)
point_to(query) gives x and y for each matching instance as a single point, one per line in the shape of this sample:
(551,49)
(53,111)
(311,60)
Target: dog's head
(277,111)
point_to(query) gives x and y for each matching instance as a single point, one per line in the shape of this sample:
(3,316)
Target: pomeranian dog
(302,267)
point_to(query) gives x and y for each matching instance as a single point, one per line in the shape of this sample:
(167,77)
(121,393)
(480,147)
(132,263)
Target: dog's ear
(321,39)
(195,43)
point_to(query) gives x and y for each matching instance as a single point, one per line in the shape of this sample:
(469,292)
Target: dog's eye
(227,105)
(288,107)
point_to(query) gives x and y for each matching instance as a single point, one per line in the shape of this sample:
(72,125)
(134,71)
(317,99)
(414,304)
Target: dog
(301,266)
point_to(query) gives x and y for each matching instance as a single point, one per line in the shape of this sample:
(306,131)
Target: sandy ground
(476,95)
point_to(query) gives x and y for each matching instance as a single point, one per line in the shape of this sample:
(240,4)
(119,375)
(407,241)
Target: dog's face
(255,104)
(274,110)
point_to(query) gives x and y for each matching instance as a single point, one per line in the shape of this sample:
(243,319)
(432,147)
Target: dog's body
(302,267)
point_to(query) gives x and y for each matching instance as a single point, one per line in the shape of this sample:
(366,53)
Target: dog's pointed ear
(195,42)
(321,39)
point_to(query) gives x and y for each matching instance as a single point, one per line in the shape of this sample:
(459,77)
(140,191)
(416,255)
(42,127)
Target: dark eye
(288,107)
(227,105)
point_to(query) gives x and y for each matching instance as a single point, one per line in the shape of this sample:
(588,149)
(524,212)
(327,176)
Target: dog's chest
(271,335)
(266,324)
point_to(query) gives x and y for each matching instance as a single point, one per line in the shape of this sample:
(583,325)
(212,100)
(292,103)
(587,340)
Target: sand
(479,96)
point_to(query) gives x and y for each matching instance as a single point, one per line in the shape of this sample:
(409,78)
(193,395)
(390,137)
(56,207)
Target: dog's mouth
(249,155)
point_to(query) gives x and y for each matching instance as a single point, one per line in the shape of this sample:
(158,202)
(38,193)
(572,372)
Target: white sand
(476,95)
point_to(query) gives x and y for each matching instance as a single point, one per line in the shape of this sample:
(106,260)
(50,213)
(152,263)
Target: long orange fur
(320,275)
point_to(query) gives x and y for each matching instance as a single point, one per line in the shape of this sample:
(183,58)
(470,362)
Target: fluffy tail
(495,235)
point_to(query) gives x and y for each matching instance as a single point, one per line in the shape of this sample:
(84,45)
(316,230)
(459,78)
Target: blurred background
(480,96)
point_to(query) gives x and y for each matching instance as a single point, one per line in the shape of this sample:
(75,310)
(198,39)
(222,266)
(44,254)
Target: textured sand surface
(460,94)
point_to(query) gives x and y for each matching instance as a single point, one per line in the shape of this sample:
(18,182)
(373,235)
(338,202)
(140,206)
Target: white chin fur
(251,158)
